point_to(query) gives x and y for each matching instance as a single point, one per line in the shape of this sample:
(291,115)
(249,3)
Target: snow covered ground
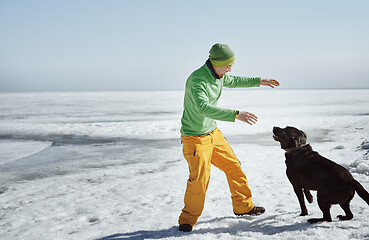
(108,165)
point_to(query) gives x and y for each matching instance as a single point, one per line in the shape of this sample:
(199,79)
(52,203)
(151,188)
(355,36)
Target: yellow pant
(199,152)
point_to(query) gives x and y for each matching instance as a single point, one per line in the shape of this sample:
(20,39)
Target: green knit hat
(221,55)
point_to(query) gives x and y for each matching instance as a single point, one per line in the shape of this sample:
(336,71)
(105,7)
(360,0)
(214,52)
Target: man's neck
(211,68)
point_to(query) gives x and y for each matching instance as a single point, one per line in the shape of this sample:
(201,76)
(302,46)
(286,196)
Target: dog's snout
(275,129)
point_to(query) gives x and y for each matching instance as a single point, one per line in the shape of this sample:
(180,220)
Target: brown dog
(307,170)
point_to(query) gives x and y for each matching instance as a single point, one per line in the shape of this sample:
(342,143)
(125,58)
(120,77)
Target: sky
(111,45)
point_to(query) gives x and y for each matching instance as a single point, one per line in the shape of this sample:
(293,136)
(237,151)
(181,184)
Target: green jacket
(203,89)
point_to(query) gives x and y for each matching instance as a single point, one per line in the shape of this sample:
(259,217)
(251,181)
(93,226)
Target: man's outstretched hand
(269,82)
(247,117)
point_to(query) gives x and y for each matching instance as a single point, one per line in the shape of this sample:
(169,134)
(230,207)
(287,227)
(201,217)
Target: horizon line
(169,90)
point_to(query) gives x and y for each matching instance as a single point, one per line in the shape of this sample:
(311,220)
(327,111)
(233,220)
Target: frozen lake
(108,165)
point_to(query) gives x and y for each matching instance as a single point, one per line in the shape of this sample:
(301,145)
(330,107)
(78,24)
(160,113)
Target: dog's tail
(361,191)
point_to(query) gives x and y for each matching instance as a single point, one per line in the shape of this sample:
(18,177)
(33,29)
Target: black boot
(185,228)
(254,212)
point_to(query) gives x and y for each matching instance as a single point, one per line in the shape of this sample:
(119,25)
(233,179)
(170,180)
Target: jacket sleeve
(239,82)
(201,101)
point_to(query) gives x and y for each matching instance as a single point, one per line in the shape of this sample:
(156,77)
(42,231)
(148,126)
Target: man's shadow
(242,226)
(144,234)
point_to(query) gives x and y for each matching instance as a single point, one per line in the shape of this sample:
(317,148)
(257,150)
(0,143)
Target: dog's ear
(301,141)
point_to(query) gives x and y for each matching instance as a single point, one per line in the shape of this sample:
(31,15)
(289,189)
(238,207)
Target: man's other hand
(247,117)
(269,82)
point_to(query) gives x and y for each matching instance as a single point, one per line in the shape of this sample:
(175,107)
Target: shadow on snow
(260,226)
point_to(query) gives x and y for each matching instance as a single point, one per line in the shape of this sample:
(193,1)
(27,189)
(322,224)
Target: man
(204,144)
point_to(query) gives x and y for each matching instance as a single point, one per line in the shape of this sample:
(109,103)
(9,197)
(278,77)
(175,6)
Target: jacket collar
(208,64)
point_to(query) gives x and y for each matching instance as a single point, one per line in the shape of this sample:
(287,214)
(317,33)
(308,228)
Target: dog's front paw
(345,218)
(316,220)
(304,213)
(309,198)
(313,220)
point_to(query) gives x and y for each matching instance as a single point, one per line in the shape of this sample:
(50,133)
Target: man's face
(221,71)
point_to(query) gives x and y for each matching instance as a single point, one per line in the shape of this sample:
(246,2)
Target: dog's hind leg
(346,208)
(325,206)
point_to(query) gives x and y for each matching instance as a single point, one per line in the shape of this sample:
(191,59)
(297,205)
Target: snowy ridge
(361,165)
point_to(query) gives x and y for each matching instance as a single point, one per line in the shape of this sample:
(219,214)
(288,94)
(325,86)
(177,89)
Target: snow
(24,148)
(108,165)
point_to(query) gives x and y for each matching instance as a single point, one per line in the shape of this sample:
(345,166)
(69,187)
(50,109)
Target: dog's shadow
(260,225)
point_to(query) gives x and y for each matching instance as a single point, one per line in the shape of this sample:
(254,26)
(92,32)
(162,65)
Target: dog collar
(289,150)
